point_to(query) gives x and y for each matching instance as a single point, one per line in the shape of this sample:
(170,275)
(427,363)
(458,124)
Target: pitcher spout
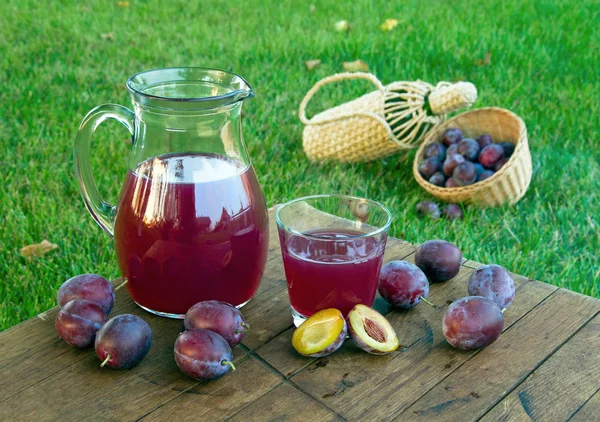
(190,88)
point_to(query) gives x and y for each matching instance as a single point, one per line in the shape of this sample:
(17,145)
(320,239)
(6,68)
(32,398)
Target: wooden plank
(220,399)
(279,352)
(590,411)
(474,388)
(285,403)
(361,386)
(81,388)
(560,386)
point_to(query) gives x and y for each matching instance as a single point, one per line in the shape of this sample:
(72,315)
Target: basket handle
(334,78)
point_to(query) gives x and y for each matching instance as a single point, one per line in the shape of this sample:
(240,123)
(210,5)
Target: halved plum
(321,334)
(370,331)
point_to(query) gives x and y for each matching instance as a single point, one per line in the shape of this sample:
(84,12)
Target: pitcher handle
(103,212)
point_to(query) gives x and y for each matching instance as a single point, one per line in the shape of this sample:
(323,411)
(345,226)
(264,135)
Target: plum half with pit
(92,287)
(469,148)
(123,341)
(321,334)
(203,354)
(472,322)
(452,136)
(370,331)
(494,282)
(78,322)
(220,317)
(490,155)
(439,260)
(429,166)
(402,284)
(465,174)
(451,162)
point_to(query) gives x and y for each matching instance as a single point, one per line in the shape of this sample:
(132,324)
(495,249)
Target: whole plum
(469,148)
(508,148)
(465,174)
(439,260)
(452,136)
(203,354)
(402,284)
(490,155)
(220,317)
(453,212)
(429,166)
(500,163)
(452,149)
(92,287)
(438,179)
(484,140)
(78,322)
(485,175)
(451,183)
(436,150)
(472,322)
(451,162)
(428,208)
(493,282)
(123,341)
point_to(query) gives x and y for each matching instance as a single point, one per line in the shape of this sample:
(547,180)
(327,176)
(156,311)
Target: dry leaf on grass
(389,24)
(342,26)
(108,36)
(123,3)
(311,64)
(356,66)
(38,249)
(487,59)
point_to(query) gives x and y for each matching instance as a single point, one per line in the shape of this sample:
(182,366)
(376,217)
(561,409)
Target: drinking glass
(332,247)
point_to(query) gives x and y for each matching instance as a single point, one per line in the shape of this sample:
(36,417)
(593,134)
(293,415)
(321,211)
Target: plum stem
(105,360)
(246,328)
(503,309)
(427,302)
(122,284)
(226,362)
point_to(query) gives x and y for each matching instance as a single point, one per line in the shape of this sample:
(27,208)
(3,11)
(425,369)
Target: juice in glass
(331,268)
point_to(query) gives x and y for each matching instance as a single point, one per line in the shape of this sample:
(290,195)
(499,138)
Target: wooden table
(545,366)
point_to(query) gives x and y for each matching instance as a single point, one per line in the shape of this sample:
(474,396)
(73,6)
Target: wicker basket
(393,118)
(510,183)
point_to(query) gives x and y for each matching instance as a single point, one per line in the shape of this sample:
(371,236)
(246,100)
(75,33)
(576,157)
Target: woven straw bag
(395,117)
(510,183)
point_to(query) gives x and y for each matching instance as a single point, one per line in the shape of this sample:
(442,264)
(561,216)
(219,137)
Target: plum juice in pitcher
(188,229)
(191,223)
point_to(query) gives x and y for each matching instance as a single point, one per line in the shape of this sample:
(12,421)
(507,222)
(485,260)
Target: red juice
(324,272)
(191,228)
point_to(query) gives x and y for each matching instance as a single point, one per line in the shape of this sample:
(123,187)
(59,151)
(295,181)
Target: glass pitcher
(191,223)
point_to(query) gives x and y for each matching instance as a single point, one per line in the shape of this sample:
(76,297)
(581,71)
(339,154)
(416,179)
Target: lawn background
(56,64)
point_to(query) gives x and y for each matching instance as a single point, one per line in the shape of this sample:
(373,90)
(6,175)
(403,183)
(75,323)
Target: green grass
(55,66)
